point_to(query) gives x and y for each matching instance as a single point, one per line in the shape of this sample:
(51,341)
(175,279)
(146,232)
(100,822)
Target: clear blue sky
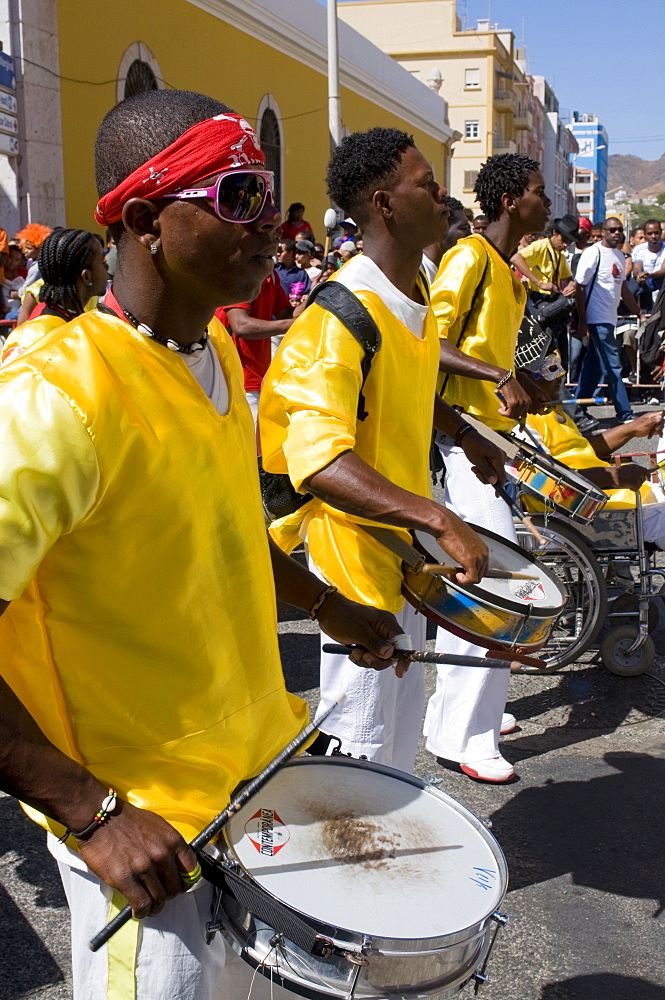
(595,55)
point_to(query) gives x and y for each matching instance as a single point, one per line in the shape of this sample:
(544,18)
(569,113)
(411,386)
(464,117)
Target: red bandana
(221,143)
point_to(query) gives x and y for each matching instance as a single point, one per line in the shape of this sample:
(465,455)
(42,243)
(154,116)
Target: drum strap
(259,904)
(407,553)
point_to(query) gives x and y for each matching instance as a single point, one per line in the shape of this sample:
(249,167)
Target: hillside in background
(640,178)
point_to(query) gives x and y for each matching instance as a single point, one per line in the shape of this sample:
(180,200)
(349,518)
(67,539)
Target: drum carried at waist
(352,879)
(554,484)
(516,607)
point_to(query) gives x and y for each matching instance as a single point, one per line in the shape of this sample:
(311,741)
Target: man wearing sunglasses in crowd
(141,680)
(601,285)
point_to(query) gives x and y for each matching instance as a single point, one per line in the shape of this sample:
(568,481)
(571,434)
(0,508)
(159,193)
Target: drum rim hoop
(542,461)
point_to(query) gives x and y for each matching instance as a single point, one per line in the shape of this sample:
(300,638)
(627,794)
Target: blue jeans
(603,356)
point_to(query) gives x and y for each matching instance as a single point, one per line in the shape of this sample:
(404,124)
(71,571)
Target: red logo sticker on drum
(527,590)
(267,832)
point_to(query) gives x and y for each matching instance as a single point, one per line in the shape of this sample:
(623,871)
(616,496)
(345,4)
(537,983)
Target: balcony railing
(505,145)
(522,119)
(504,99)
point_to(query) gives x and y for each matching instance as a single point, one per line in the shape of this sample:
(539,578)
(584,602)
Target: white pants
(381,716)
(463,717)
(161,958)
(253,400)
(653,517)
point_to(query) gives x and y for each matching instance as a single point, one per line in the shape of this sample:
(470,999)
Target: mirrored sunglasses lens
(240,196)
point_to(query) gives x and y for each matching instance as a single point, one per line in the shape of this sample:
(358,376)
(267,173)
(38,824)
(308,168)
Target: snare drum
(398,883)
(496,613)
(558,487)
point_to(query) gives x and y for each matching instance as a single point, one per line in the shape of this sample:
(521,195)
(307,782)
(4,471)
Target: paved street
(582,830)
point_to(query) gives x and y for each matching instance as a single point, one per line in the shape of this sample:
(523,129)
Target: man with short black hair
(295,280)
(373,467)
(141,680)
(649,257)
(478,301)
(480,223)
(601,285)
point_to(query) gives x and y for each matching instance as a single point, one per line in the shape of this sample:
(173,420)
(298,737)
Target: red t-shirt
(293,230)
(255,354)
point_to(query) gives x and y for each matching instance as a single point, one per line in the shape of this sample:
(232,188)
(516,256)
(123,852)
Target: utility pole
(334,104)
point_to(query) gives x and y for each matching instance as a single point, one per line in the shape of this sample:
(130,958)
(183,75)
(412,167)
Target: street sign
(8,103)
(7,75)
(8,124)
(8,145)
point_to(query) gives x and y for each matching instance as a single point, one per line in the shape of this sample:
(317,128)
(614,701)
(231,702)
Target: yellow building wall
(197,51)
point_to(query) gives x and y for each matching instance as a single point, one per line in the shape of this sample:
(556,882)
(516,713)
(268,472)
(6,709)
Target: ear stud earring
(154,248)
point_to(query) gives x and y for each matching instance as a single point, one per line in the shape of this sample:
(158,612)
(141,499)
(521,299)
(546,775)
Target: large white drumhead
(368,851)
(543,590)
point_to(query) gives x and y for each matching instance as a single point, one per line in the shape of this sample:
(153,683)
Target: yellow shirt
(564,442)
(27,334)
(546,263)
(142,630)
(308,416)
(490,333)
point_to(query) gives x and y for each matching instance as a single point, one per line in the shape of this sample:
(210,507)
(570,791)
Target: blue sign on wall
(7,75)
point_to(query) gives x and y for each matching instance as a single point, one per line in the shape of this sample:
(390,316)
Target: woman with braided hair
(74,272)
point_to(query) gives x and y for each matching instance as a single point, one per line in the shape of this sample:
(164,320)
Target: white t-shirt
(206,369)
(362,274)
(649,261)
(603,302)
(430,268)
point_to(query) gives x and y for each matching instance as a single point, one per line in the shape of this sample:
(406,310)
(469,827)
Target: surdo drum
(389,885)
(495,613)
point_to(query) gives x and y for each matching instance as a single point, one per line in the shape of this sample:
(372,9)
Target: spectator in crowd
(304,249)
(74,274)
(636,237)
(649,260)
(251,325)
(458,227)
(295,280)
(601,285)
(575,250)
(577,343)
(347,250)
(4,253)
(13,282)
(480,223)
(295,227)
(318,255)
(596,232)
(330,266)
(30,240)
(349,230)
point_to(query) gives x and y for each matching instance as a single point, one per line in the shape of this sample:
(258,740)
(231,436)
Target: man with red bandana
(141,680)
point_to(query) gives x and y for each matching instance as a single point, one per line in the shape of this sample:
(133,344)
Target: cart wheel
(628,605)
(616,659)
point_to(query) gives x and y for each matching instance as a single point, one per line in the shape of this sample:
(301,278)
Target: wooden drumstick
(493,574)
(524,518)
(220,821)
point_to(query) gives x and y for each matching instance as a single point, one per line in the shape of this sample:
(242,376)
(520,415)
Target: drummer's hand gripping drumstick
(491,574)
(220,821)
(524,518)
(421,656)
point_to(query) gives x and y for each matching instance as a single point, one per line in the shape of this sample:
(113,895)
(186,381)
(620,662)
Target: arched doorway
(270,138)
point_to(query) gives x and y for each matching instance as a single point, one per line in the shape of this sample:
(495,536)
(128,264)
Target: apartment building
(589,183)
(491,102)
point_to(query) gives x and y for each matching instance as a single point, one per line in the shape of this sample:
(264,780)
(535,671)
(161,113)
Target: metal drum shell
(384,967)
(469,613)
(555,485)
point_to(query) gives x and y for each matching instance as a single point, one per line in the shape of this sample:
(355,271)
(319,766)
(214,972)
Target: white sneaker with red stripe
(508,724)
(494,770)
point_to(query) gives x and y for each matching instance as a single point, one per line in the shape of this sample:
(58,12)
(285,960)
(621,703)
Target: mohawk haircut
(140,127)
(363,163)
(507,173)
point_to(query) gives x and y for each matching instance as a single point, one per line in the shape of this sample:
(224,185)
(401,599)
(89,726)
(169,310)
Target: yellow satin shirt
(490,333)
(24,336)
(142,630)
(308,417)
(564,442)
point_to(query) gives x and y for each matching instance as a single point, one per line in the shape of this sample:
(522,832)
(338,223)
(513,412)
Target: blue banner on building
(7,74)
